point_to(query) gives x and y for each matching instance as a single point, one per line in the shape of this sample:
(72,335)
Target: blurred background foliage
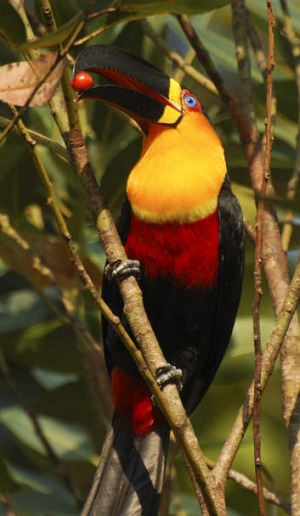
(47,396)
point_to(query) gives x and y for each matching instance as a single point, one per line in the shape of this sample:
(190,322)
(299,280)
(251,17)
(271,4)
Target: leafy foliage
(47,385)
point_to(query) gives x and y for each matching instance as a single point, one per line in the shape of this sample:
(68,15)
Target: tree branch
(258,267)
(249,485)
(270,355)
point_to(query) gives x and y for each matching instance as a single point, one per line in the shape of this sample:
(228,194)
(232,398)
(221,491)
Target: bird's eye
(190,101)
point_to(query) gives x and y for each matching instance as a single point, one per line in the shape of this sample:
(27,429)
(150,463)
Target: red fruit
(82,82)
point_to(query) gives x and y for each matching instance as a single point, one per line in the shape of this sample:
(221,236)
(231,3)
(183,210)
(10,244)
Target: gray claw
(169,374)
(122,269)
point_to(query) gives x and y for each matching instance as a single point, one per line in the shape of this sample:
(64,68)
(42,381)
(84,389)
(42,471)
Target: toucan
(182,229)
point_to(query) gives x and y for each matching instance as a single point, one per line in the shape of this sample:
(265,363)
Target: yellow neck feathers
(179,174)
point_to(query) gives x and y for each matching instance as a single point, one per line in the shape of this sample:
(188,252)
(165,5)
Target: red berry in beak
(82,82)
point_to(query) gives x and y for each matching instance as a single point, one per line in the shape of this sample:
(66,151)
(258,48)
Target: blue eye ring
(190,101)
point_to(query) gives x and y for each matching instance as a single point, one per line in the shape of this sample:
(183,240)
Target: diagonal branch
(270,356)
(249,485)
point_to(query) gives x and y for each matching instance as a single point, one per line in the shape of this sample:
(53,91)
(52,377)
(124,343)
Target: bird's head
(182,167)
(136,87)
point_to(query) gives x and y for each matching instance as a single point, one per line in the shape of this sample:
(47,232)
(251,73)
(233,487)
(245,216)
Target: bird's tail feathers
(130,474)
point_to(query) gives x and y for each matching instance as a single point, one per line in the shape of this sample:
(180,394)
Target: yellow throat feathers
(180,172)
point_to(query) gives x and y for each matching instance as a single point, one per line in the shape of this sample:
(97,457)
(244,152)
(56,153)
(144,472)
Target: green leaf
(129,10)
(150,7)
(52,379)
(20,309)
(58,36)
(286,95)
(46,345)
(38,494)
(64,11)
(12,29)
(29,479)
(69,441)
(69,402)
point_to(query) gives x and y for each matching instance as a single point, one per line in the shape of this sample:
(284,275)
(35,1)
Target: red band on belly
(186,253)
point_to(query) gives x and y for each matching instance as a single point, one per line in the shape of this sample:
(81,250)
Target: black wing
(226,297)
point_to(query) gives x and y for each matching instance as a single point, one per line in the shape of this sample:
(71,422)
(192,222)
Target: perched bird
(182,229)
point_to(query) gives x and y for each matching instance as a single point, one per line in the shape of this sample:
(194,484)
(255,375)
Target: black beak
(144,92)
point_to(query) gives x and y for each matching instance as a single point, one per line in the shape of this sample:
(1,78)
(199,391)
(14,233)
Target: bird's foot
(121,269)
(168,374)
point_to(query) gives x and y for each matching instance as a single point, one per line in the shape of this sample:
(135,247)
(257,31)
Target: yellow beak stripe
(171,115)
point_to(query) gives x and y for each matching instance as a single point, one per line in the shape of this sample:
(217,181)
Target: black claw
(122,269)
(169,374)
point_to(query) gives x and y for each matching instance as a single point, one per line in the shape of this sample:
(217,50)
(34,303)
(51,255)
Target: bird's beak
(138,88)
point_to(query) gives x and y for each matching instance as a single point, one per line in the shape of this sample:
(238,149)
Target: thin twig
(176,58)
(270,356)
(249,485)
(239,30)
(109,10)
(258,265)
(24,108)
(239,24)
(54,146)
